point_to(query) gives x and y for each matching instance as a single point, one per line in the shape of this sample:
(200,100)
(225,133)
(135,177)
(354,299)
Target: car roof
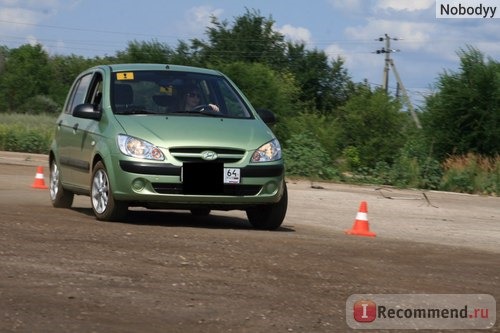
(161,67)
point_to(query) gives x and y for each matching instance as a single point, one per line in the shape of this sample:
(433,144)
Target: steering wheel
(206,107)
(201,107)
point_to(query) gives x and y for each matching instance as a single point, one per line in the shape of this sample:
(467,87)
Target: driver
(192,100)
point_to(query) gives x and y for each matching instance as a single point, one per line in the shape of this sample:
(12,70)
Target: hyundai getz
(166,137)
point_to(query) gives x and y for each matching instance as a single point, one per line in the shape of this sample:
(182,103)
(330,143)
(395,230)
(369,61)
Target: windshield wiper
(135,110)
(199,112)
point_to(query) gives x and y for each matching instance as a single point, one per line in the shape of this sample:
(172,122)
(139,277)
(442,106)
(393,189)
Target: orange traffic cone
(39,180)
(361,227)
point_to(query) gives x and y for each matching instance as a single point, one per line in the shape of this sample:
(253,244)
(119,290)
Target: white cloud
(17,19)
(73,4)
(334,51)
(349,5)
(8,2)
(361,64)
(31,40)
(400,5)
(29,3)
(409,21)
(363,6)
(297,34)
(18,15)
(415,34)
(198,18)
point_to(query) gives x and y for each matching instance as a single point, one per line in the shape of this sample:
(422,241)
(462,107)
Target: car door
(76,136)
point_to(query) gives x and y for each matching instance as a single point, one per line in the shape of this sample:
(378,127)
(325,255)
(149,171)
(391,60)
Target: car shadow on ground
(166,218)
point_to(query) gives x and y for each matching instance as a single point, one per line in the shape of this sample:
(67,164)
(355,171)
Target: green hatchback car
(166,137)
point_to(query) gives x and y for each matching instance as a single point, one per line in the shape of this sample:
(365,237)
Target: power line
(76,29)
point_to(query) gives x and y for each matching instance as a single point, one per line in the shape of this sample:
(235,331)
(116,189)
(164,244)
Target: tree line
(330,126)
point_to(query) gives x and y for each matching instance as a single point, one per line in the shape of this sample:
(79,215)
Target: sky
(424,46)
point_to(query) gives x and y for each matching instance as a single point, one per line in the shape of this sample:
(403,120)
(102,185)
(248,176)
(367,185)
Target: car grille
(229,190)
(190,154)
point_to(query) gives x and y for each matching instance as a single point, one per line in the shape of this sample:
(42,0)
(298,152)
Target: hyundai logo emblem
(209,155)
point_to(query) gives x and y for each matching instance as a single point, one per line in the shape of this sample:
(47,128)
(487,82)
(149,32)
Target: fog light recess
(138,185)
(271,187)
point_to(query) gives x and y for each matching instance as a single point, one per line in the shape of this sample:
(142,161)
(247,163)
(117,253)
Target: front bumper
(161,185)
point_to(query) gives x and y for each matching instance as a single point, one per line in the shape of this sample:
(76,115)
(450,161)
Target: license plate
(232,176)
(202,178)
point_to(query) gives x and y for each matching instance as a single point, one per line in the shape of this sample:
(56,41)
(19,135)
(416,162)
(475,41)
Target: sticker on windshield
(168,90)
(125,76)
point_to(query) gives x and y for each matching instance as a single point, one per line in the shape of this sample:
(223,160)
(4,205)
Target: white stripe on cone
(361,216)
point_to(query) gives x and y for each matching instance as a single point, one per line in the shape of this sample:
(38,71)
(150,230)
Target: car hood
(196,131)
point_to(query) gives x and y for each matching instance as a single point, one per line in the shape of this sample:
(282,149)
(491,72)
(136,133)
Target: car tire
(269,217)
(104,205)
(59,197)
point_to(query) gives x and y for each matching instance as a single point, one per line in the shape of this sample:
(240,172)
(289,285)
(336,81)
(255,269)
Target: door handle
(75,127)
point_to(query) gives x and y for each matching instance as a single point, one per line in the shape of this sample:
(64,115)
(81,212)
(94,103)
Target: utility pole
(388,52)
(389,63)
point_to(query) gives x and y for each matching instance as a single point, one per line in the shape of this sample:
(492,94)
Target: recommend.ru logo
(421,311)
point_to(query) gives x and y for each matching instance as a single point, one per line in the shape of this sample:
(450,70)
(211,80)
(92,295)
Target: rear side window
(79,92)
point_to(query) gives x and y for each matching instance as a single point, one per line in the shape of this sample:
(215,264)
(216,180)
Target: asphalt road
(167,271)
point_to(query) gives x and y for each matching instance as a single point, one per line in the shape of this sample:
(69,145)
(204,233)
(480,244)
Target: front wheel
(104,205)
(269,217)
(59,197)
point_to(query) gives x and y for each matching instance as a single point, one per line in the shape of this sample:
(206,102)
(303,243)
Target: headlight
(134,147)
(270,151)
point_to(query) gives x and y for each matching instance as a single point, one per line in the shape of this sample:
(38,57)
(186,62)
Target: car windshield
(176,93)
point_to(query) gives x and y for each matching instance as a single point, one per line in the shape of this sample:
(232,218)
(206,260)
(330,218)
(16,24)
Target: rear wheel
(60,197)
(269,217)
(104,205)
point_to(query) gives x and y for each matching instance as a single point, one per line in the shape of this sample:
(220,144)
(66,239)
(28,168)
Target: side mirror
(86,111)
(267,116)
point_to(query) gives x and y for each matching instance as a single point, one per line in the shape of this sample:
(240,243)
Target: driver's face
(192,99)
(193,94)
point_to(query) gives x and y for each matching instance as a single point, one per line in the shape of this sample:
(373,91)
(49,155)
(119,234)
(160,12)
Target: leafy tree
(324,127)
(326,84)
(304,157)
(26,74)
(372,123)
(464,115)
(64,70)
(414,165)
(145,52)
(4,51)
(40,104)
(157,52)
(183,55)
(250,39)
(266,88)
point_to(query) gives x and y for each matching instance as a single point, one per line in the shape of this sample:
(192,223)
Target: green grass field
(26,133)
